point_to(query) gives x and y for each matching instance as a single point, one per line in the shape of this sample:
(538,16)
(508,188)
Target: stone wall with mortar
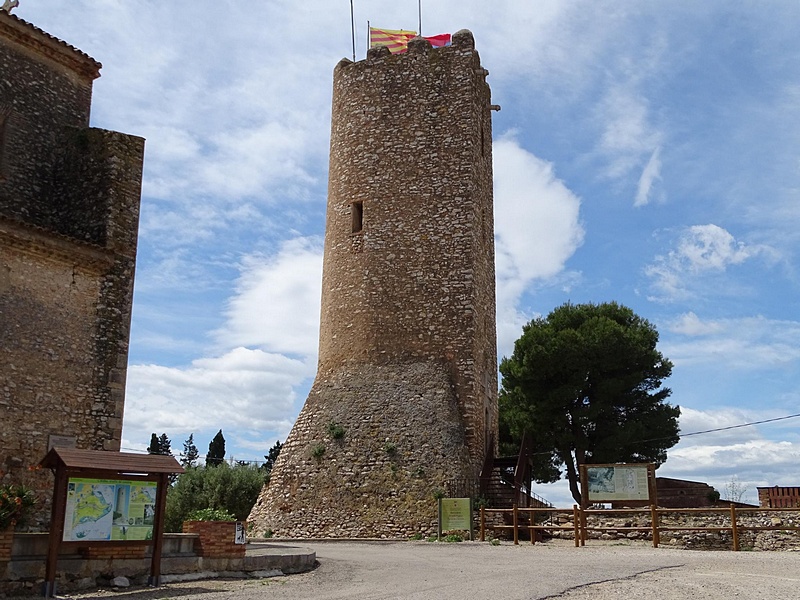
(69,211)
(408,361)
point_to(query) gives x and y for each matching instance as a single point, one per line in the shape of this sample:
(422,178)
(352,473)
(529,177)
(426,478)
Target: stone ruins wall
(69,211)
(408,361)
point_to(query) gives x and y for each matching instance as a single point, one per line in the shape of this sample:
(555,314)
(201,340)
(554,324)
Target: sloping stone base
(403,440)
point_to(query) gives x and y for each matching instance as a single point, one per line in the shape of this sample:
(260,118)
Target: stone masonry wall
(69,212)
(407,334)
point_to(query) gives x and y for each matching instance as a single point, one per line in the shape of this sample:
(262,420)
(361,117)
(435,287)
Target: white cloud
(650,174)
(747,344)
(700,251)
(690,324)
(276,303)
(740,453)
(248,391)
(537,229)
(627,136)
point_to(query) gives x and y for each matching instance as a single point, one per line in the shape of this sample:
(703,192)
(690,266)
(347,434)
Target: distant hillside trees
(159,444)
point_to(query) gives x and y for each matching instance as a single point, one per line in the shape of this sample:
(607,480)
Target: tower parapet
(407,361)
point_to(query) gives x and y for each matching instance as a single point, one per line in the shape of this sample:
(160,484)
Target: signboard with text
(621,482)
(455,514)
(109,509)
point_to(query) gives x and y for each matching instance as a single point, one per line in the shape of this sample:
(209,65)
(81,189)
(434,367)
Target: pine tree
(585,383)
(164,445)
(216,450)
(190,452)
(269,459)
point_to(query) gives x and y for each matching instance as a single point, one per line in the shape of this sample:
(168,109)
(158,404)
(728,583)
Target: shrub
(390,448)
(318,451)
(210,514)
(335,430)
(233,489)
(15,502)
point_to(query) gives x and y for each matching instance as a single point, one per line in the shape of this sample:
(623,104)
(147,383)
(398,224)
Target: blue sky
(645,153)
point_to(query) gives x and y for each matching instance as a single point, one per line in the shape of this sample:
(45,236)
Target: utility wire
(683,435)
(742,425)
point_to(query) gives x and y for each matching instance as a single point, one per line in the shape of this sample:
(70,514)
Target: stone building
(69,211)
(405,398)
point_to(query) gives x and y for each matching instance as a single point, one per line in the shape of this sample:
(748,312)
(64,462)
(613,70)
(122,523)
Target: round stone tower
(404,404)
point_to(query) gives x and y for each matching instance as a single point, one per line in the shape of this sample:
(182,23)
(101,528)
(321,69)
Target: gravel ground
(471,570)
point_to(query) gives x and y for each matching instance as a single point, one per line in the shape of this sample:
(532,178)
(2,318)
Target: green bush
(210,514)
(16,501)
(233,489)
(335,430)
(318,451)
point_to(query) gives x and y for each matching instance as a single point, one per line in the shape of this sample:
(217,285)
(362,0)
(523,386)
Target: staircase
(506,482)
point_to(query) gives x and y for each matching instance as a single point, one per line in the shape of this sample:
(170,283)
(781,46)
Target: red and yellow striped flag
(394,39)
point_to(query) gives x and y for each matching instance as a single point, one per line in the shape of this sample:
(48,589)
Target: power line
(742,425)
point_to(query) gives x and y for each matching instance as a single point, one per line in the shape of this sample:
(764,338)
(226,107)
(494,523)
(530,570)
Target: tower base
(369,452)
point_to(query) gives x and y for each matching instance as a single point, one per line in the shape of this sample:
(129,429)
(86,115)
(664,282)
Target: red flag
(437,41)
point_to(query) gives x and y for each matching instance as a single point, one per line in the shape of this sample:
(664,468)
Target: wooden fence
(525,519)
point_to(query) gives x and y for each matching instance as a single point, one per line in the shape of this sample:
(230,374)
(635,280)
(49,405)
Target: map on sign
(102,510)
(607,483)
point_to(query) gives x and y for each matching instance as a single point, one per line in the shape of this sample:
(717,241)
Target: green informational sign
(455,514)
(107,509)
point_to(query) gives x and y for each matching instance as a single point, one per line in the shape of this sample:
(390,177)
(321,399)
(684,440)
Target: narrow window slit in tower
(357,216)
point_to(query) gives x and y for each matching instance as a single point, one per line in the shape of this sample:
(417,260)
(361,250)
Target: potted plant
(15,502)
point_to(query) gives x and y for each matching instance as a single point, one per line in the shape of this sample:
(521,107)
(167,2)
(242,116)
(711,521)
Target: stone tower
(405,398)
(69,214)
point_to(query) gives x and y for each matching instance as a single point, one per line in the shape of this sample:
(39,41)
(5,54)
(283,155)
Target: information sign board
(608,483)
(455,514)
(109,509)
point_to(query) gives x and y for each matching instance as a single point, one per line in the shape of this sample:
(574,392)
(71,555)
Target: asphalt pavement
(474,570)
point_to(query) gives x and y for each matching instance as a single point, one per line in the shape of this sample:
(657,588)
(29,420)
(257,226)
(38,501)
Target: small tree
(190,453)
(216,450)
(271,457)
(735,490)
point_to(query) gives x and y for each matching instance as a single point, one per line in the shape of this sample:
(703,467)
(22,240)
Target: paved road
(467,571)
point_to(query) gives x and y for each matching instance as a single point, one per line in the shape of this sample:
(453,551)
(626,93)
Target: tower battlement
(407,357)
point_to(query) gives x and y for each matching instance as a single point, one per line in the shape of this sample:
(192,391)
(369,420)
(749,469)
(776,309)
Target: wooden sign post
(107,499)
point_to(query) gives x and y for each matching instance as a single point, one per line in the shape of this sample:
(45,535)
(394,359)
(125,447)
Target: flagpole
(419,4)
(369,31)
(353,30)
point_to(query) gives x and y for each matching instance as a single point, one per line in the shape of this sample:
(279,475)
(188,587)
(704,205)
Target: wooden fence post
(734,528)
(654,522)
(516,526)
(576,525)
